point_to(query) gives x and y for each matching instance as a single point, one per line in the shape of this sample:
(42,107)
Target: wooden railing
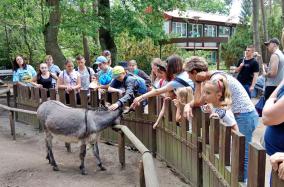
(209,155)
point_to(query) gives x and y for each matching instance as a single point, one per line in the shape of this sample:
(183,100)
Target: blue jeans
(247,122)
(246,86)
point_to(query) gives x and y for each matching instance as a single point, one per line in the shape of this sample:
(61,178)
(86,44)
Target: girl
(218,98)
(161,75)
(69,79)
(44,77)
(180,98)
(22,72)
(175,74)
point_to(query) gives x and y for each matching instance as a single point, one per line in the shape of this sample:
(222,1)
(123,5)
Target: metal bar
(12,124)
(4,91)
(141,174)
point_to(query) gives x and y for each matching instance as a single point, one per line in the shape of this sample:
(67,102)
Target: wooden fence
(209,155)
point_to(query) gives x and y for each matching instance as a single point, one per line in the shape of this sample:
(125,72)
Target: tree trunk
(51,32)
(264,26)
(85,42)
(26,40)
(86,50)
(105,36)
(96,10)
(255,14)
(8,44)
(282,3)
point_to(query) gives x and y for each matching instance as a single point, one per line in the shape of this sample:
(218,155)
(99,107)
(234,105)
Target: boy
(128,83)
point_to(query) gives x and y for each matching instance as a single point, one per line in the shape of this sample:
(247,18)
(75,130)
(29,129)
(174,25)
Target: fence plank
(62,98)
(224,147)
(256,165)
(238,156)
(43,94)
(52,93)
(275,181)
(84,98)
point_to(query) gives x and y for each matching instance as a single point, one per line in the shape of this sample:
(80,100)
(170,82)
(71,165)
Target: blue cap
(101,59)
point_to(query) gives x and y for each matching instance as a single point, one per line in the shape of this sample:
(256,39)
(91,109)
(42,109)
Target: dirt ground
(23,163)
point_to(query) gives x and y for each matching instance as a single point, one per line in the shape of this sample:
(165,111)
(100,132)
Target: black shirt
(46,83)
(250,67)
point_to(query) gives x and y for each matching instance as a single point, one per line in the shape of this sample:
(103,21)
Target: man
(128,83)
(242,107)
(248,70)
(87,74)
(132,68)
(105,72)
(274,72)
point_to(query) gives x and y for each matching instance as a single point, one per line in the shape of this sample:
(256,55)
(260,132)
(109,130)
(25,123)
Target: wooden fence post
(52,93)
(238,157)
(256,165)
(12,124)
(121,148)
(275,181)
(141,174)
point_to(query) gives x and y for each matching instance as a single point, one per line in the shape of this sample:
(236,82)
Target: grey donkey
(73,125)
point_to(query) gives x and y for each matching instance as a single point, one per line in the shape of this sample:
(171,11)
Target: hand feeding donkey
(75,125)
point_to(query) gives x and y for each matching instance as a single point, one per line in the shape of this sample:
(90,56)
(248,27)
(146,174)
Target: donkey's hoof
(83,172)
(102,167)
(55,168)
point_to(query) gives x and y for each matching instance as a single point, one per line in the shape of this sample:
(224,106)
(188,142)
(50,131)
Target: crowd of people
(187,82)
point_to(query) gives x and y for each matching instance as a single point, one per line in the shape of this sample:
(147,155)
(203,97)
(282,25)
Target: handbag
(259,105)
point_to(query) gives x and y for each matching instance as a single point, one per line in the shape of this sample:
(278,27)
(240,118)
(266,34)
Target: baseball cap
(101,59)
(116,71)
(273,40)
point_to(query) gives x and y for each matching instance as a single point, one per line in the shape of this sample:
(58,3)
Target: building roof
(201,16)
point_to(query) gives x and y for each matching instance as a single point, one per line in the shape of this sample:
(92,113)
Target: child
(218,98)
(130,84)
(180,97)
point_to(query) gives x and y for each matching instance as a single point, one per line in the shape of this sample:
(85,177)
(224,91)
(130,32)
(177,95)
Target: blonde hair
(222,86)
(185,94)
(47,57)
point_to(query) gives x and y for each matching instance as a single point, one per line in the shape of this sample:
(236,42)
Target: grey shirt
(275,81)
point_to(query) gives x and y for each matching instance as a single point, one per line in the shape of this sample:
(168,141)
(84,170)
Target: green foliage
(232,51)
(212,6)
(246,11)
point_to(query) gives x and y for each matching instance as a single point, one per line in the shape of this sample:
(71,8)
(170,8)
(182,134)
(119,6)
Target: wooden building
(195,30)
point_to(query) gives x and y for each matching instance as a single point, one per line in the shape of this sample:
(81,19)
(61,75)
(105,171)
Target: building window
(210,30)
(233,30)
(224,31)
(179,29)
(195,30)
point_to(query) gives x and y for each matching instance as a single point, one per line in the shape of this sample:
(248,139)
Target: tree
(255,15)
(51,33)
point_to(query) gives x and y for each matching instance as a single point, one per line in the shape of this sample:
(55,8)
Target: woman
(273,118)
(44,77)
(69,79)
(22,72)
(175,75)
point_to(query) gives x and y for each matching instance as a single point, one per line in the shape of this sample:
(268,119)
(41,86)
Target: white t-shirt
(69,79)
(226,116)
(241,102)
(85,77)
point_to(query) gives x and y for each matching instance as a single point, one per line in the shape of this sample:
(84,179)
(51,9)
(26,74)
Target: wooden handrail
(150,175)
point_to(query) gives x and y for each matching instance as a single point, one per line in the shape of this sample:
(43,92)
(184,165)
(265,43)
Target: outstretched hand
(136,102)
(187,112)
(113,106)
(275,159)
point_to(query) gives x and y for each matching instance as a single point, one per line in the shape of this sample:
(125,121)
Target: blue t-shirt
(24,75)
(274,135)
(184,76)
(105,77)
(55,70)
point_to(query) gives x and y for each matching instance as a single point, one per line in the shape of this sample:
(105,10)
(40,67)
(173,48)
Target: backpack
(142,88)
(89,71)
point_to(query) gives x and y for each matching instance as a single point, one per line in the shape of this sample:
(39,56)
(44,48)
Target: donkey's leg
(97,155)
(82,157)
(50,153)
(68,147)
(47,151)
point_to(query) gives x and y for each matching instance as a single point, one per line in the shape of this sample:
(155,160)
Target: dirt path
(23,164)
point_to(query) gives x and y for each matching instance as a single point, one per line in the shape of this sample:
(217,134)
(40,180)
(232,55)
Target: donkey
(73,125)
